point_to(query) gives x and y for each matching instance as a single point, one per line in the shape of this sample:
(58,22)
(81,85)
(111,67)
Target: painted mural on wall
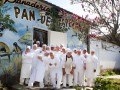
(23,16)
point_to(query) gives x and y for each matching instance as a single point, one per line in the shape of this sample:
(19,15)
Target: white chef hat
(69,50)
(74,49)
(44,45)
(52,45)
(79,50)
(57,45)
(48,46)
(51,52)
(37,41)
(85,49)
(35,45)
(64,48)
(62,45)
(92,50)
(47,51)
(28,47)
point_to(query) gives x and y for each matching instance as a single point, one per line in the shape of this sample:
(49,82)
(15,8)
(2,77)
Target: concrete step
(22,87)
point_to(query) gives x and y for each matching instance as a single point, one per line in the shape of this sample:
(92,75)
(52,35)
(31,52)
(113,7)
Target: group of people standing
(57,66)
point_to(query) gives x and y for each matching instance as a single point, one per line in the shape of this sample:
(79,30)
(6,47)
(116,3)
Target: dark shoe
(46,85)
(70,86)
(67,84)
(63,87)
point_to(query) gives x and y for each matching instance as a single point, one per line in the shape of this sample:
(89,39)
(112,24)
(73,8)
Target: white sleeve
(83,59)
(45,60)
(63,62)
(23,56)
(74,64)
(95,62)
(30,55)
(57,62)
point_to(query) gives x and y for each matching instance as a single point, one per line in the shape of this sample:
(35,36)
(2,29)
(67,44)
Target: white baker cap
(64,48)
(35,45)
(62,45)
(47,51)
(28,47)
(92,50)
(79,50)
(57,45)
(37,41)
(48,46)
(74,49)
(44,45)
(51,52)
(85,49)
(52,45)
(69,50)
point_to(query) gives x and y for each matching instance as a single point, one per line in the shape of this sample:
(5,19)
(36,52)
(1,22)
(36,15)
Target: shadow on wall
(117,64)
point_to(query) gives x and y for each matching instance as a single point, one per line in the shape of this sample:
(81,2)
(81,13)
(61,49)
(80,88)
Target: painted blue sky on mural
(24,25)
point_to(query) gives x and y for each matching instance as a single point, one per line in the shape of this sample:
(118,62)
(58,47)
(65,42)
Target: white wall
(109,58)
(57,38)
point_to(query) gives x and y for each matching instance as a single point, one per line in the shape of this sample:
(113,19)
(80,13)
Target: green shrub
(1,85)
(116,81)
(117,71)
(11,73)
(105,84)
(108,72)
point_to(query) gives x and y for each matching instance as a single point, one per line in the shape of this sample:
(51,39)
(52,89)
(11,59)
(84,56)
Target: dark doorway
(40,35)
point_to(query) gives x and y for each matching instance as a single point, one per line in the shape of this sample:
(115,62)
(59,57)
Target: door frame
(44,30)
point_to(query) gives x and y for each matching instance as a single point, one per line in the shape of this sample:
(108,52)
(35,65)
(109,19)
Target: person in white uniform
(61,46)
(53,65)
(84,53)
(68,69)
(91,67)
(38,43)
(43,49)
(26,66)
(41,68)
(74,53)
(35,52)
(63,54)
(84,56)
(48,48)
(60,64)
(78,63)
(47,77)
(52,47)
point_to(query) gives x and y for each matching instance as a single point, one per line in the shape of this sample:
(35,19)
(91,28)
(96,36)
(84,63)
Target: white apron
(40,71)
(26,65)
(34,63)
(90,66)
